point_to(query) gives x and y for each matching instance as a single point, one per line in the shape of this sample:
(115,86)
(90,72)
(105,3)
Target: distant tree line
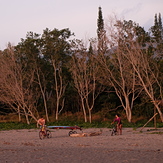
(51,74)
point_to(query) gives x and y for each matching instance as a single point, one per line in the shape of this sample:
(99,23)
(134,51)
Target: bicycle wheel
(71,132)
(114,132)
(74,132)
(41,135)
(48,134)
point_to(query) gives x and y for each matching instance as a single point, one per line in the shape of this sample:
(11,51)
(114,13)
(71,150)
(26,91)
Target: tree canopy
(53,74)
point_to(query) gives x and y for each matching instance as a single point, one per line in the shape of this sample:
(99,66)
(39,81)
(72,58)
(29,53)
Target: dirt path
(24,146)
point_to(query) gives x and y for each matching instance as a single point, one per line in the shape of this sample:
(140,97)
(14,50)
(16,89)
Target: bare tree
(115,68)
(117,73)
(60,86)
(147,71)
(84,70)
(16,86)
(140,63)
(42,85)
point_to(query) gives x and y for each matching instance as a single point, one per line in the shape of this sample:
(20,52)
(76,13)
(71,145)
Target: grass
(94,124)
(15,125)
(159,132)
(10,121)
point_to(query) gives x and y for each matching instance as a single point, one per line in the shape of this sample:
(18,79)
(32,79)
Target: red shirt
(118,120)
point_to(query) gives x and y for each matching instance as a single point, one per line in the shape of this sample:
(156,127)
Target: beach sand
(133,146)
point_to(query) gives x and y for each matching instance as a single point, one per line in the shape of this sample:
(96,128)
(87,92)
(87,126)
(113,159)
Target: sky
(18,17)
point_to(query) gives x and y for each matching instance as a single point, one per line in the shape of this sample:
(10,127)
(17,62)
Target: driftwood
(148,122)
(79,135)
(87,134)
(95,133)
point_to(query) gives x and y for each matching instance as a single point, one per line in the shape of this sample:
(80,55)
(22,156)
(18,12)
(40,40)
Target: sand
(24,146)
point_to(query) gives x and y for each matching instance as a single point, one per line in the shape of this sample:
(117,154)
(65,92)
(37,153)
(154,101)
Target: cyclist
(43,131)
(119,123)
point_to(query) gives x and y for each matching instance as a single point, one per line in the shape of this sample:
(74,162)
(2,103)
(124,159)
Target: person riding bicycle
(119,123)
(44,132)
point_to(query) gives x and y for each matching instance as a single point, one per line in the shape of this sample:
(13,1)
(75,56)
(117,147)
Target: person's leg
(117,129)
(120,129)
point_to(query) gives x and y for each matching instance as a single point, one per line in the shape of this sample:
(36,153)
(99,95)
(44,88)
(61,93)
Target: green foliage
(157,133)
(37,52)
(15,125)
(94,124)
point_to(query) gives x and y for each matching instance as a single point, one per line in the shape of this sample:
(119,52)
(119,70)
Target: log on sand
(87,134)
(79,135)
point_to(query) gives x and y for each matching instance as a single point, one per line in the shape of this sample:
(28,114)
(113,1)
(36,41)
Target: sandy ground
(24,146)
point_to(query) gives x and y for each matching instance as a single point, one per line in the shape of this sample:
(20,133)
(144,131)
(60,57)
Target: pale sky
(21,16)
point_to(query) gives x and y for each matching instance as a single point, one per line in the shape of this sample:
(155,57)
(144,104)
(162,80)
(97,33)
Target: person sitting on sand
(41,122)
(119,124)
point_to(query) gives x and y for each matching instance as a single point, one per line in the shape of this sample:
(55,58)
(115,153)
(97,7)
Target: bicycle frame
(43,128)
(114,130)
(44,132)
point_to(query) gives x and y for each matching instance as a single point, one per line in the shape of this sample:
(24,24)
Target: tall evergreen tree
(101,33)
(100,23)
(157,36)
(160,26)
(157,29)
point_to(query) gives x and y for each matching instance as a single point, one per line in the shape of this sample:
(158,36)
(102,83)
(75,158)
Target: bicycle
(44,132)
(72,132)
(114,130)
